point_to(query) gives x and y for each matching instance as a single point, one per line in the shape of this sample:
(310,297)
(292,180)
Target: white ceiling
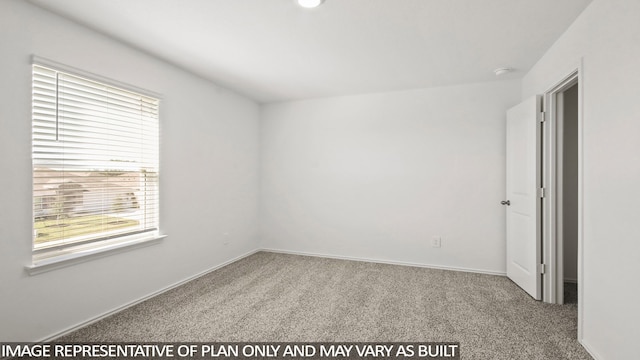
(274,50)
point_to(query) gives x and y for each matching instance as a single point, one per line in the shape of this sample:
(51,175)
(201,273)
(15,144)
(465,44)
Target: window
(95,163)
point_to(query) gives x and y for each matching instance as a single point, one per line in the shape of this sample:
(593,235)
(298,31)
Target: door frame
(552,245)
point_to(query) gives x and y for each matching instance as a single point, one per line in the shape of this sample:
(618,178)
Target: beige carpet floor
(279,297)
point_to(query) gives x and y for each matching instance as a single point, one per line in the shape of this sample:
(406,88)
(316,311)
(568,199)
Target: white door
(523,197)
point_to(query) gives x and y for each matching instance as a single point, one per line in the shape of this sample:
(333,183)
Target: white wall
(209,142)
(607,37)
(377,176)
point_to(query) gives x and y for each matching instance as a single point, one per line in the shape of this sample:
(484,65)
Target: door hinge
(542,268)
(541,116)
(541,192)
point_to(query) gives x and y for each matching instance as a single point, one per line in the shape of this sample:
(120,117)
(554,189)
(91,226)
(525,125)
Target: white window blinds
(95,160)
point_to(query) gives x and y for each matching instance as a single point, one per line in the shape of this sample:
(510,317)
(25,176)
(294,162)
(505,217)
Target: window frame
(51,257)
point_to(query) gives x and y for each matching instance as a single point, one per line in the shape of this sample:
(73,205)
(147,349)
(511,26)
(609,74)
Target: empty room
(461,175)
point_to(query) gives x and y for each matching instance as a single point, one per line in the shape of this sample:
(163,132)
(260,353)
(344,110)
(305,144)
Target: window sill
(72,256)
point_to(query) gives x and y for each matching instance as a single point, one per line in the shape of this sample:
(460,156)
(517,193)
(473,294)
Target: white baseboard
(149,296)
(390,262)
(593,354)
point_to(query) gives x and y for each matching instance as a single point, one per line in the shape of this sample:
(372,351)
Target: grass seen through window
(58,229)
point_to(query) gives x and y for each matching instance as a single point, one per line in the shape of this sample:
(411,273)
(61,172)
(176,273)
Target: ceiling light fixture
(310,3)
(502,71)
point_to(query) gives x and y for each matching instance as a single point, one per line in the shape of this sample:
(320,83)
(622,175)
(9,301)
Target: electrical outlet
(436,241)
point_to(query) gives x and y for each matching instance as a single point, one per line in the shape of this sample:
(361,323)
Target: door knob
(507,202)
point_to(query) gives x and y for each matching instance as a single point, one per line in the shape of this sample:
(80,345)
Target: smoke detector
(502,71)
